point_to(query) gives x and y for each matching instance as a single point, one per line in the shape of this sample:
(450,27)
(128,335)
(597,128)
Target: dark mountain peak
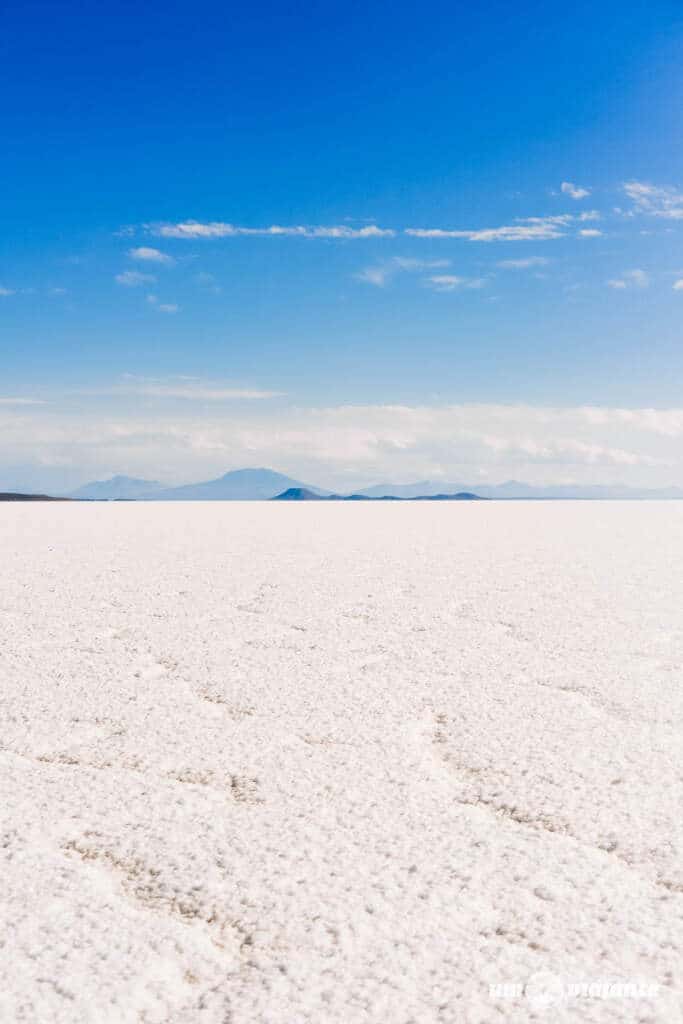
(297,494)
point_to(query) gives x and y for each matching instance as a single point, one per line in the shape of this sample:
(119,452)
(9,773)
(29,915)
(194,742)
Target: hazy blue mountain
(238,485)
(117,487)
(512,489)
(422,488)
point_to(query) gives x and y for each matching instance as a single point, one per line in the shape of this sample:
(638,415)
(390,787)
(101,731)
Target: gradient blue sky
(152,323)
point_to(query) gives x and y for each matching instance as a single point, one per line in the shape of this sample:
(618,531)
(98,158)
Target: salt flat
(340,763)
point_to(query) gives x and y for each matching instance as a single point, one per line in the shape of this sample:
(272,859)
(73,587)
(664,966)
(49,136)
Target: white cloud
(590,215)
(523,264)
(590,233)
(452,282)
(666,422)
(219,229)
(678,285)
(147,254)
(569,449)
(574,191)
(134,278)
(631,279)
(656,200)
(4,292)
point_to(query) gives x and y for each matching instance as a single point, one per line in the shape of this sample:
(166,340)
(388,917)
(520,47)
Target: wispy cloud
(147,254)
(18,401)
(574,191)
(678,285)
(208,281)
(5,292)
(452,282)
(134,278)
(407,263)
(219,229)
(630,279)
(523,264)
(524,229)
(163,307)
(529,229)
(380,274)
(590,233)
(656,200)
(189,389)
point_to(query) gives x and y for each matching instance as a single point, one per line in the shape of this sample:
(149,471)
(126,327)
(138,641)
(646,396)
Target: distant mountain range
(263,484)
(513,489)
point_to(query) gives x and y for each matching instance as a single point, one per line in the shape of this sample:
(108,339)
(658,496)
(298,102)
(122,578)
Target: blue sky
(356,244)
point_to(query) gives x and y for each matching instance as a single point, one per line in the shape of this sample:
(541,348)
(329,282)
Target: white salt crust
(340,763)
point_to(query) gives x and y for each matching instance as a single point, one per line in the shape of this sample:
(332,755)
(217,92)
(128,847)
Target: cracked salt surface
(269,763)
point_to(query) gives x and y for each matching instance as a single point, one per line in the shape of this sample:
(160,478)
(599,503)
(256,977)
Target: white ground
(340,763)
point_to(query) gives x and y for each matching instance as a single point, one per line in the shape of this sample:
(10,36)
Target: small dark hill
(13,496)
(303,494)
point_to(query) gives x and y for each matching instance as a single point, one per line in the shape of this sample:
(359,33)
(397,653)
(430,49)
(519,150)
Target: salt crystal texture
(340,762)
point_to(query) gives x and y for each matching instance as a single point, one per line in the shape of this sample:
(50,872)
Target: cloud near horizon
(348,446)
